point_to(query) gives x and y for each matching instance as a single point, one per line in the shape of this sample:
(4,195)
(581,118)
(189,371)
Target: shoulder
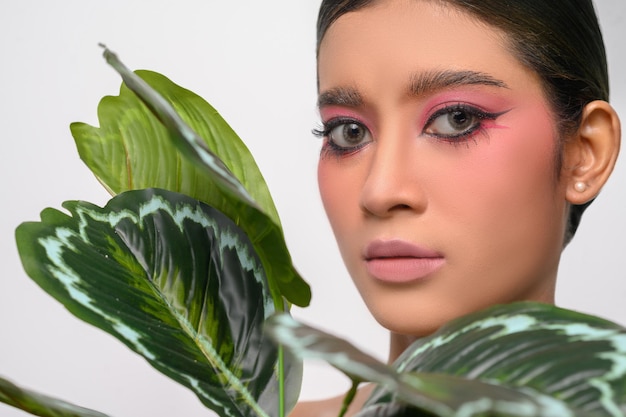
(321,408)
(330,407)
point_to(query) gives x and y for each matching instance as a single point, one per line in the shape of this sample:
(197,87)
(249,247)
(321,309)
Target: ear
(590,155)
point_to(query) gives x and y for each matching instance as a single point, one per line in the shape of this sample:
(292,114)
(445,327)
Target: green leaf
(181,149)
(426,394)
(39,404)
(132,149)
(448,395)
(523,359)
(304,341)
(577,358)
(177,282)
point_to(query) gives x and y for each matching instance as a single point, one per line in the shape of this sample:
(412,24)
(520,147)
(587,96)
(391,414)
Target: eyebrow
(426,82)
(340,96)
(420,83)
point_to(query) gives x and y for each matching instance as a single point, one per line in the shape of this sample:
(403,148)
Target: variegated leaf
(413,394)
(449,395)
(39,404)
(577,358)
(523,359)
(176,281)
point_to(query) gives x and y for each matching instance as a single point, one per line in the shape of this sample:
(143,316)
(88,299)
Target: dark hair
(559,40)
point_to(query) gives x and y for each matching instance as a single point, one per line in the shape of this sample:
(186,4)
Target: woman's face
(438,166)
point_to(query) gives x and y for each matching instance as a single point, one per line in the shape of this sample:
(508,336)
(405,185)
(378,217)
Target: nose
(392,184)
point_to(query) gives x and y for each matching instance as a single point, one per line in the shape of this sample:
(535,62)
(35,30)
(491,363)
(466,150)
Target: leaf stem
(281,381)
(347,400)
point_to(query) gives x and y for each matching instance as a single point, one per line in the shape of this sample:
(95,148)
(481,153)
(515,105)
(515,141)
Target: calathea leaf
(577,358)
(176,281)
(163,136)
(40,405)
(522,359)
(450,395)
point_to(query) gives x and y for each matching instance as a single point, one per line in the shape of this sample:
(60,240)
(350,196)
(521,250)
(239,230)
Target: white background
(255,62)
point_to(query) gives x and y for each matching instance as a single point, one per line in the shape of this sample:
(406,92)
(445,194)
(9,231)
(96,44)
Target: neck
(398,344)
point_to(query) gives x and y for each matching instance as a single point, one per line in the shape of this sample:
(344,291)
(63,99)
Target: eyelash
(477,115)
(332,148)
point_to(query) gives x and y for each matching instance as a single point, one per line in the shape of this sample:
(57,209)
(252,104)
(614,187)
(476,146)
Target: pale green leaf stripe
(39,404)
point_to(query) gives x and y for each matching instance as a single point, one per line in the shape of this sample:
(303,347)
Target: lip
(398,261)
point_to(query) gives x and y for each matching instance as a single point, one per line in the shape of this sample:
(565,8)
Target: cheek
(507,188)
(330,190)
(521,161)
(340,188)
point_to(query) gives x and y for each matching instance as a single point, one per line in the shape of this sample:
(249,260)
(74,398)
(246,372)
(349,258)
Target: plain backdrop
(255,62)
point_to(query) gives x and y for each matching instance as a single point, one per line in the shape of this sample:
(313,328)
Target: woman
(462,142)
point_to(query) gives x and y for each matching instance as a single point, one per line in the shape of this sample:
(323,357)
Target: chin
(416,322)
(424,317)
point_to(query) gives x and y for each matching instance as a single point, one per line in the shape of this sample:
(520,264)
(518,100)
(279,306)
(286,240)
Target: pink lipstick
(398,261)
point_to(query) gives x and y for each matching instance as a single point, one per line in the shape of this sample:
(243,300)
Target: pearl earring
(580,186)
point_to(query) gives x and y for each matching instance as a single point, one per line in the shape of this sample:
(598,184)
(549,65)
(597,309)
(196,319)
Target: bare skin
(330,407)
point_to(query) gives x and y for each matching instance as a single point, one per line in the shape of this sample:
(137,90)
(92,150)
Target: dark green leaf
(393,409)
(448,395)
(40,405)
(182,149)
(176,281)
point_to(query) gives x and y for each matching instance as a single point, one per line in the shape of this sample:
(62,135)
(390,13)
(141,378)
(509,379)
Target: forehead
(409,36)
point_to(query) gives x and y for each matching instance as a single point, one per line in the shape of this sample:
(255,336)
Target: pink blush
(493,125)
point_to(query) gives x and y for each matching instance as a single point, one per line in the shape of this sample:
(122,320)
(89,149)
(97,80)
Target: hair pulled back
(559,40)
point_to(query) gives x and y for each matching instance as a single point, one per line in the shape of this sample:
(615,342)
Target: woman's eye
(348,135)
(457,121)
